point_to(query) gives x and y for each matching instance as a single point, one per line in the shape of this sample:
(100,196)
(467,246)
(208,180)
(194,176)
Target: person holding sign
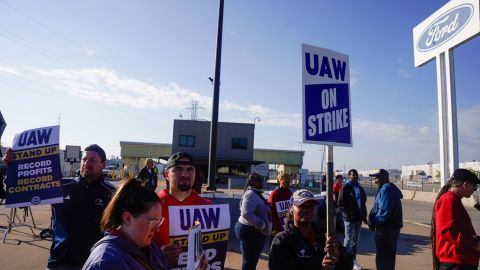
(279,201)
(303,245)
(254,223)
(130,222)
(180,172)
(76,221)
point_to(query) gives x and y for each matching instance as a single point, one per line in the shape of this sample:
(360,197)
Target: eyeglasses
(153,222)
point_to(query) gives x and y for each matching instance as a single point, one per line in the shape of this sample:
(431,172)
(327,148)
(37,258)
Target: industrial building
(235,152)
(431,170)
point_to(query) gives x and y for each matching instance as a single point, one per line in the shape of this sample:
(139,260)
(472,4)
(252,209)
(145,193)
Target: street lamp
(256,119)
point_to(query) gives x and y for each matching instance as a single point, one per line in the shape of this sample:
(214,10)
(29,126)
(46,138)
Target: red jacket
(279,195)
(455,237)
(162,237)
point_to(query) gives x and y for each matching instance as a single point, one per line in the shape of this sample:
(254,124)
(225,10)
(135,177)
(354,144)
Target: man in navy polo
(76,221)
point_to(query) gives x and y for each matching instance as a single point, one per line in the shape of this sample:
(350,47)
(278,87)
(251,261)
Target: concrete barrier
(416,195)
(408,194)
(430,197)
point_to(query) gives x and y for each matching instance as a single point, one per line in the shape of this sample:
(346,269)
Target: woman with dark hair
(130,221)
(455,245)
(254,223)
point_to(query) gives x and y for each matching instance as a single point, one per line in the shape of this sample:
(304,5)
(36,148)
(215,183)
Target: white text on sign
(328,121)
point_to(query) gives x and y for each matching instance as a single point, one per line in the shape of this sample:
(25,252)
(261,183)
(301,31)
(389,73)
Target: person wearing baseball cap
(180,172)
(302,244)
(455,244)
(386,219)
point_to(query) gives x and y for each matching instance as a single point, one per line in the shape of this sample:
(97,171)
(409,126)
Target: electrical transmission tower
(193,110)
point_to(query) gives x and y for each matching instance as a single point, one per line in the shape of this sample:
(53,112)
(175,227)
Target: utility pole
(212,157)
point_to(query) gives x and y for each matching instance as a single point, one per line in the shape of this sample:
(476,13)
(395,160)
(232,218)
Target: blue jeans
(251,245)
(352,236)
(386,246)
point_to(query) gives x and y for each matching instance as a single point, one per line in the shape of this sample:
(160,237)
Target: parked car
(107,172)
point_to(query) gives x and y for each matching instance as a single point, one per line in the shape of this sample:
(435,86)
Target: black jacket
(150,179)
(348,202)
(290,250)
(76,221)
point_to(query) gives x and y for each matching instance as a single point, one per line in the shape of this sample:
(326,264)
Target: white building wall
(433,170)
(394,174)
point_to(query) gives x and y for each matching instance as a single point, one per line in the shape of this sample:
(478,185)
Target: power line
(24,43)
(75,43)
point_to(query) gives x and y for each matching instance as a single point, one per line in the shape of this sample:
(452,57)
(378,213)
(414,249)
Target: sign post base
(12,223)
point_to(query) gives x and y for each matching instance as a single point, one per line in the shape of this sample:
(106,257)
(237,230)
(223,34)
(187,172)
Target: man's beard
(89,176)
(184,186)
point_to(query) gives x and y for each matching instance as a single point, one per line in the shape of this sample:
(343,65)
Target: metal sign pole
(442,118)
(452,112)
(461,18)
(329,199)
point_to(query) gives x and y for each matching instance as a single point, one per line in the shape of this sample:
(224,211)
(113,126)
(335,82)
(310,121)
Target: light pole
(256,119)
(212,156)
(301,146)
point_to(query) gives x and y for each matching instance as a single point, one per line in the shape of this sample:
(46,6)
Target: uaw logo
(445,27)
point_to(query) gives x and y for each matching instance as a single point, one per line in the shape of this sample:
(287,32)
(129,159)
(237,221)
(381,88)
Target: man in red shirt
(180,172)
(455,245)
(280,201)
(337,185)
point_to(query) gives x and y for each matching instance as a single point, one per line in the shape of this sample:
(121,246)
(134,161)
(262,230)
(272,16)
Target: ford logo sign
(35,200)
(445,27)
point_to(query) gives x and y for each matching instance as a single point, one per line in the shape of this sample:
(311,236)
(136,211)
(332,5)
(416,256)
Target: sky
(111,71)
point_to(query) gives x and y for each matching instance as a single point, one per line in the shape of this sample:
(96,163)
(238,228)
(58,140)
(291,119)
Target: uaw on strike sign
(34,176)
(214,223)
(326,97)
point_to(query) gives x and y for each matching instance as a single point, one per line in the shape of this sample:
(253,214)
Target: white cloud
(468,125)
(103,85)
(394,133)
(9,70)
(106,86)
(468,130)
(226,105)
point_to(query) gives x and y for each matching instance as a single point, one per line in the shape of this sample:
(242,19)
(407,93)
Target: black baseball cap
(174,160)
(381,173)
(465,176)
